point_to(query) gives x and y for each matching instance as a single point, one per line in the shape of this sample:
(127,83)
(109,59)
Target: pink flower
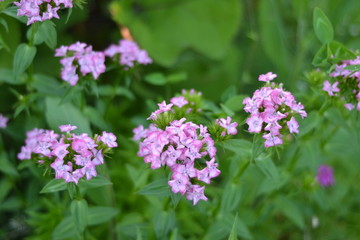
(60,151)
(349,106)
(40,10)
(3,121)
(67,128)
(325,176)
(228,125)
(179,184)
(255,124)
(179,101)
(272,140)
(79,55)
(129,53)
(267,77)
(331,88)
(196,193)
(179,146)
(109,139)
(293,125)
(71,164)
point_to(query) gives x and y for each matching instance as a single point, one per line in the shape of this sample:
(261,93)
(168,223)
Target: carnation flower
(325,176)
(41,10)
(128,54)
(80,57)
(71,156)
(272,111)
(346,84)
(3,121)
(228,126)
(179,146)
(187,148)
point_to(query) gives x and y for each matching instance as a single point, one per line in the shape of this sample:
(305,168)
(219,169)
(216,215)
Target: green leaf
(240,147)
(107,90)
(231,197)
(54,185)
(177,77)
(7,167)
(164,221)
(320,58)
(208,28)
(50,33)
(322,26)
(65,230)
(233,234)
(59,114)
(235,103)
(79,212)
(98,215)
(353,68)
(7,76)
(312,121)
(6,186)
(23,58)
(96,118)
(47,85)
(4,23)
(290,210)
(12,12)
(222,228)
(272,34)
(338,52)
(158,188)
(156,78)
(227,110)
(96,182)
(267,167)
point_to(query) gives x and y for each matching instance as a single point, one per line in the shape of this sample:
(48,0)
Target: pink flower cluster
(128,53)
(272,111)
(186,102)
(229,127)
(41,10)
(79,55)
(3,121)
(182,146)
(347,84)
(72,156)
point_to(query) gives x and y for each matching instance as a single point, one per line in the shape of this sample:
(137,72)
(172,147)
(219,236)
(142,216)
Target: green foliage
(322,26)
(23,58)
(165,40)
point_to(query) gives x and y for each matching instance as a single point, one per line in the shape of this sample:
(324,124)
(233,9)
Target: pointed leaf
(23,58)
(158,188)
(65,230)
(98,215)
(54,185)
(79,213)
(96,182)
(322,26)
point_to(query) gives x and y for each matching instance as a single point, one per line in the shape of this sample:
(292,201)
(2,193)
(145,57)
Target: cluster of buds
(272,111)
(41,10)
(346,85)
(185,147)
(128,54)
(79,55)
(3,121)
(71,156)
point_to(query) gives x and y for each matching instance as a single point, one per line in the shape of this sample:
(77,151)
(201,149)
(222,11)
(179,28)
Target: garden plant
(167,119)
